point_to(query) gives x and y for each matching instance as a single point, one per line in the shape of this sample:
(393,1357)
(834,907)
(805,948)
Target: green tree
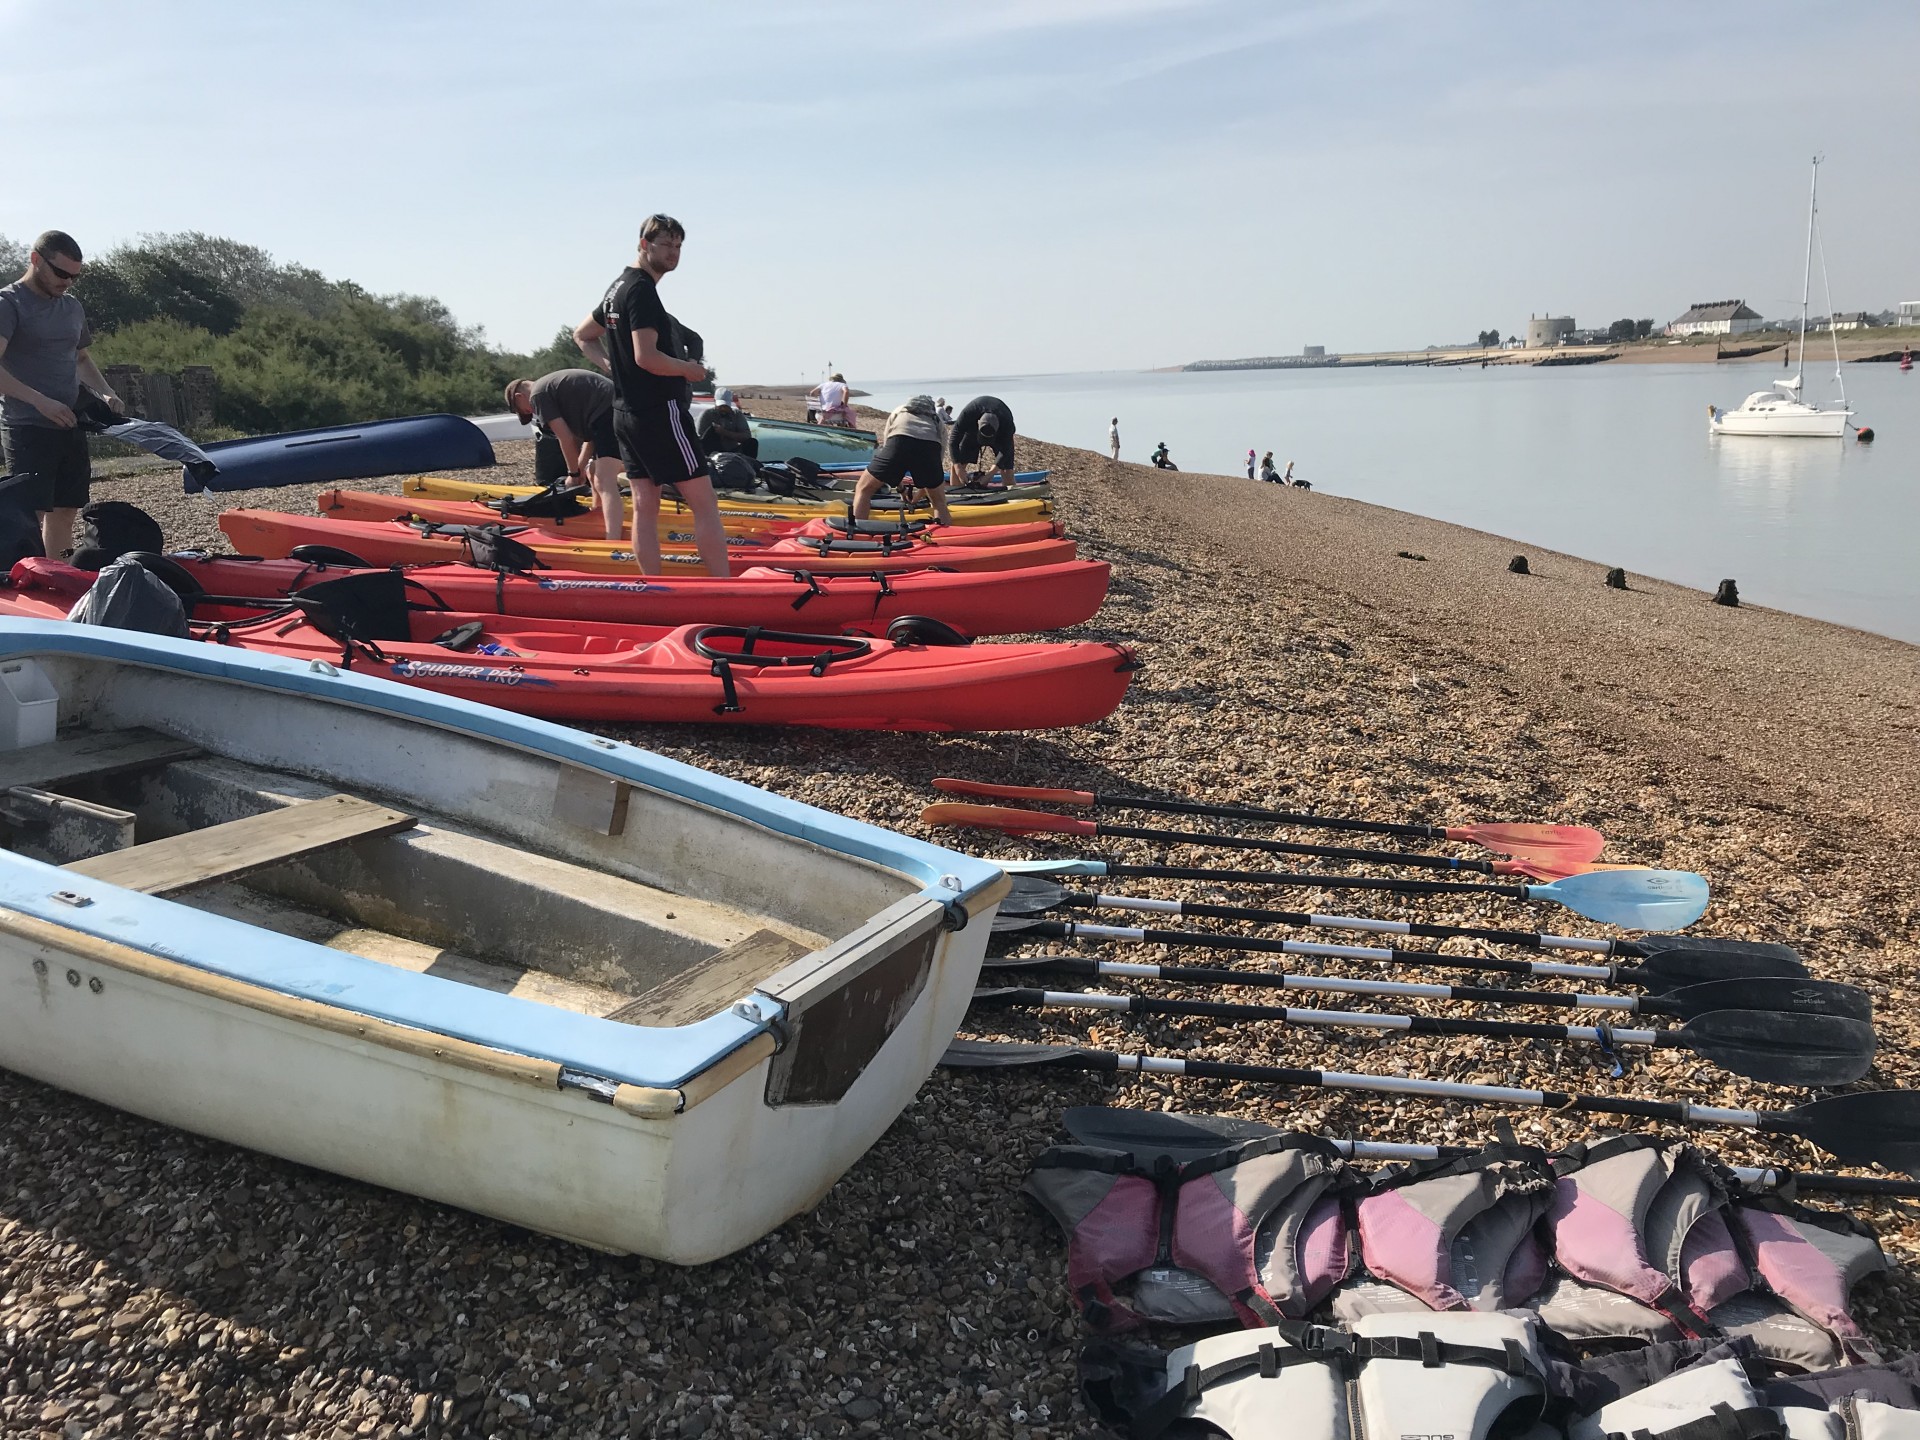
(1642,329)
(1620,330)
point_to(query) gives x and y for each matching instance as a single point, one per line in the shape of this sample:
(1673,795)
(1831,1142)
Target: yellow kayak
(1000,512)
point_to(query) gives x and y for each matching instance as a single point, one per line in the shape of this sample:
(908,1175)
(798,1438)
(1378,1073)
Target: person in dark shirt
(983,423)
(575,407)
(634,340)
(724,429)
(44,360)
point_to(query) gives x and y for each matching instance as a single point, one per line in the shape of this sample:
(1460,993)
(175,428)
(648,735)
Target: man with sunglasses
(631,336)
(44,340)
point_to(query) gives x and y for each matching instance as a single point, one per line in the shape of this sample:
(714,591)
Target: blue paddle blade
(1053,867)
(1631,899)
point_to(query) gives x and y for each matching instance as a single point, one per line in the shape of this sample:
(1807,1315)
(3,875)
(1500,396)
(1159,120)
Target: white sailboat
(1780,409)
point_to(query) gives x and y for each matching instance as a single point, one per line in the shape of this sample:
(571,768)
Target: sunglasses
(63,274)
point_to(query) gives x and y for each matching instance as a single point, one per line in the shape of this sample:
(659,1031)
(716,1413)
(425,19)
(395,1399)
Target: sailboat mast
(1806,282)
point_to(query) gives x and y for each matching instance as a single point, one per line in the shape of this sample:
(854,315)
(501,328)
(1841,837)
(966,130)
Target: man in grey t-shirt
(44,340)
(576,408)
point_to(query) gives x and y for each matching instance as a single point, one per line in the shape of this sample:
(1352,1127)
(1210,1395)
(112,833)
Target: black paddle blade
(1151,1133)
(1006,924)
(1794,997)
(1000,1054)
(1667,969)
(1811,1051)
(1031,896)
(1651,945)
(1868,1127)
(1036,962)
(990,999)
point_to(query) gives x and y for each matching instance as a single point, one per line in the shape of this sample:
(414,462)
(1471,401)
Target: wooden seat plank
(226,852)
(713,984)
(83,757)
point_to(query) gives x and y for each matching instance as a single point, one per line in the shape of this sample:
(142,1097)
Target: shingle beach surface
(153,1283)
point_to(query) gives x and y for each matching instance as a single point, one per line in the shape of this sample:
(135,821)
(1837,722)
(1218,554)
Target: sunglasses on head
(63,274)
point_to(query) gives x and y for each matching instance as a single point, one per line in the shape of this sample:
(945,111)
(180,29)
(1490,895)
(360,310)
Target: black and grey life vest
(1253,1233)
(1717,1401)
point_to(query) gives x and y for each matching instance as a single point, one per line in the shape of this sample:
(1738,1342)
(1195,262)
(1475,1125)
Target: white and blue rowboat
(458,953)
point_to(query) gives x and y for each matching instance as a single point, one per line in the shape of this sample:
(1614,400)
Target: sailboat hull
(1811,424)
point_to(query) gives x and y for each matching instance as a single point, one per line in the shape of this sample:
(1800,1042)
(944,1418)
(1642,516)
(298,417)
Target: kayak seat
(171,573)
(820,651)
(321,555)
(924,630)
(461,637)
(844,526)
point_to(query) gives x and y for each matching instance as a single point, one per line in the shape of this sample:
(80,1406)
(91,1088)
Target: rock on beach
(155,1283)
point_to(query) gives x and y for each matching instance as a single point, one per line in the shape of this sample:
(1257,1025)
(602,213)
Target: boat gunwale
(953,884)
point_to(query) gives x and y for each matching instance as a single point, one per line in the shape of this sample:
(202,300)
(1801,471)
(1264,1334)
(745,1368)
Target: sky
(995,187)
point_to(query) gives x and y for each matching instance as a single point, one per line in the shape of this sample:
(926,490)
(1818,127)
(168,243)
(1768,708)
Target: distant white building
(1716,317)
(1545,331)
(1849,320)
(1910,312)
(1314,352)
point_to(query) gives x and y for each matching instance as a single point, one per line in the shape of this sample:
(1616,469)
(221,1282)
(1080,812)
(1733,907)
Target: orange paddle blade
(1554,844)
(981,791)
(1008,822)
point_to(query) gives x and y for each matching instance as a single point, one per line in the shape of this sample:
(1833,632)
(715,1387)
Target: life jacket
(1655,1241)
(1452,1234)
(1716,1401)
(1466,1376)
(1640,1219)
(1252,1233)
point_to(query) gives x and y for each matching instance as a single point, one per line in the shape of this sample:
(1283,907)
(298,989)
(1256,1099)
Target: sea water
(1612,462)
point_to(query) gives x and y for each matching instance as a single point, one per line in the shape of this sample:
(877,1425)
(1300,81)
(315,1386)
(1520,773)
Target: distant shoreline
(1880,345)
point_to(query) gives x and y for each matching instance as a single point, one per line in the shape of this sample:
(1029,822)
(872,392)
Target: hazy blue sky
(1002,185)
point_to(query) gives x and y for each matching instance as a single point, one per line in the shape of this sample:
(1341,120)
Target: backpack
(113,527)
(733,472)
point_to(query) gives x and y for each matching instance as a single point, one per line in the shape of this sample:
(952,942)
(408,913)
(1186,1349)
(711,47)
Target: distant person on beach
(44,357)
(1287,479)
(912,444)
(984,422)
(575,408)
(1113,437)
(1249,464)
(645,350)
(943,410)
(1161,460)
(723,429)
(835,407)
(1267,473)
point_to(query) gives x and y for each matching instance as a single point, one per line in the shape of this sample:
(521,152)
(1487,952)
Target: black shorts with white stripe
(657,442)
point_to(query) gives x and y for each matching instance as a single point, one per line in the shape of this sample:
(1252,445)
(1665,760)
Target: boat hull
(1817,425)
(682,1142)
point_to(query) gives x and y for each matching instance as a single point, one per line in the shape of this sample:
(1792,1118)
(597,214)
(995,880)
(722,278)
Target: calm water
(1609,462)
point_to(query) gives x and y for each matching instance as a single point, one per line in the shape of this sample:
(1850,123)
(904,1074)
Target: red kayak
(274,533)
(592,671)
(675,530)
(989,602)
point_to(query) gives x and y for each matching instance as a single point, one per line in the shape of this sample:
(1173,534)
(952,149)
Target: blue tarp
(346,452)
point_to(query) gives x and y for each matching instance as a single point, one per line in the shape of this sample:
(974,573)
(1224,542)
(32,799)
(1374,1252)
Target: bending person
(910,446)
(985,422)
(646,351)
(575,407)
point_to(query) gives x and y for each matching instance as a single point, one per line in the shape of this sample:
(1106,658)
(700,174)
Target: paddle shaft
(1316,880)
(1611,974)
(1264,945)
(1292,847)
(1089,799)
(1340,1019)
(1332,985)
(1672,1112)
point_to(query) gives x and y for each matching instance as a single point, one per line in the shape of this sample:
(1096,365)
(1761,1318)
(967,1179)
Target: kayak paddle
(1810,1051)
(1568,844)
(1631,899)
(1184,1137)
(1803,996)
(1865,1127)
(1039,822)
(1676,965)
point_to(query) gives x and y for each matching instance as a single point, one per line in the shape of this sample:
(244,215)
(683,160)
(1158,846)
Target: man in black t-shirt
(631,336)
(984,423)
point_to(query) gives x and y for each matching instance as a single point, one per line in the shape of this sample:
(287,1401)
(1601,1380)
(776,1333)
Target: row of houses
(1709,317)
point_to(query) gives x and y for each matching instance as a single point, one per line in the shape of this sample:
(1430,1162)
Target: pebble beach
(1300,650)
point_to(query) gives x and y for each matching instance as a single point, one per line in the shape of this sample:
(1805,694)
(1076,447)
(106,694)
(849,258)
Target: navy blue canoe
(345,452)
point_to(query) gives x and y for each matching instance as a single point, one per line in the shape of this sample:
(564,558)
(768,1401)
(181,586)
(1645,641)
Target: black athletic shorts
(967,448)
(657,442)
(905,455)
(58,457)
